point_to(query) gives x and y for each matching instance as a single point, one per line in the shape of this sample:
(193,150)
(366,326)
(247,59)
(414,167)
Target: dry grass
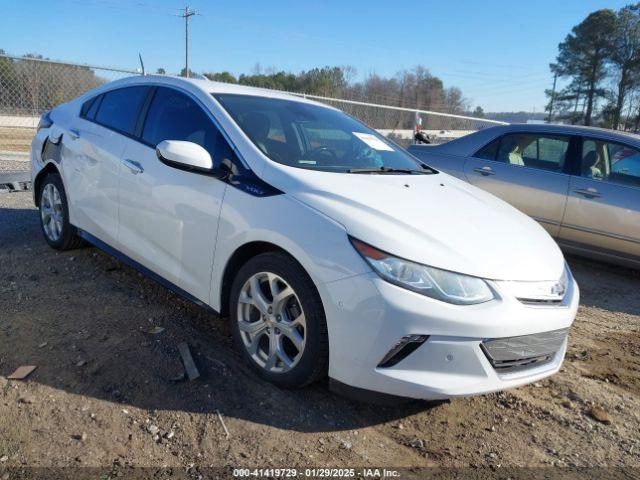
(16,139)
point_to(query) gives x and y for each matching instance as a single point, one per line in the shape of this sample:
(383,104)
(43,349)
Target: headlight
(435,283)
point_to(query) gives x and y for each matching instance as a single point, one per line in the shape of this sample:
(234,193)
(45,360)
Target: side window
(174,116)
(91,113)
(489,151)
(89,107)
(610,161)
(553,151)
(544,152)
(119,108)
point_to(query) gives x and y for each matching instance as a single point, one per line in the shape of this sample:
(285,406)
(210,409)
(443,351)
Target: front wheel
(278,321)
(54,215)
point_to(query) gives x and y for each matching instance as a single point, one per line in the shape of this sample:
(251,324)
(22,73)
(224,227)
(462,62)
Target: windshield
(310,136)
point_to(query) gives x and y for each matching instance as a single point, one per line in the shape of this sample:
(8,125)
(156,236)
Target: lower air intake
(514,354)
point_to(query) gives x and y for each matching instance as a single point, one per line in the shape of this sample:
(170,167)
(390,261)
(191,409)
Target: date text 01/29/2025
(316,472)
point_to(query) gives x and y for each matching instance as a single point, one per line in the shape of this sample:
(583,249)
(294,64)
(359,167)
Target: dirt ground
(107,394)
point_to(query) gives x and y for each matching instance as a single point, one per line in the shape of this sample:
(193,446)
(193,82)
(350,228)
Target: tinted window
(610,161)
(119,108)
(91,113)
(86,106)
(489,151)
(545,152)
(175,116)
(310,136)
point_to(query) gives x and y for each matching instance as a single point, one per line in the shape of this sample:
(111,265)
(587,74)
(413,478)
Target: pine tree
(624,55)
(584,53)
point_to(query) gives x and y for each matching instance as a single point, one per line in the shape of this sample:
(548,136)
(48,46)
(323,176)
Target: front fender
(317,242)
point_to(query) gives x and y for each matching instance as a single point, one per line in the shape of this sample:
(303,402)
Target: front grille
(539,293)
(514,354)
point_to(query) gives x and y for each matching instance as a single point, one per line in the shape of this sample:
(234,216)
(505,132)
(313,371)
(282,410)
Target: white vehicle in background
(332,250)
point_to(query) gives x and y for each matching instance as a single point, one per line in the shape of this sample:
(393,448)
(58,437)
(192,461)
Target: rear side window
(119,108)
(89,106)
(173,115)
(614,162)
(91,113)
(489,151)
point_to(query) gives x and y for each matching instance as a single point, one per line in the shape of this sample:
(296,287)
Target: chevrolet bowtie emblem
(558,289)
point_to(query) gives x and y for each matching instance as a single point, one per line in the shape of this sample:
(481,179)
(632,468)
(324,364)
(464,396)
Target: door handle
(588,192)
(74,134)
(133,166)
(484,171)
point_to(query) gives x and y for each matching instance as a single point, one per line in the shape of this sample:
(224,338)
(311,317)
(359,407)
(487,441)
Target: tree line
(600,60)
(415,88)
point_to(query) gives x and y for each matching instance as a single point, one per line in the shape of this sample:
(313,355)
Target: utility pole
(186,15)
(575,107)
(553,98)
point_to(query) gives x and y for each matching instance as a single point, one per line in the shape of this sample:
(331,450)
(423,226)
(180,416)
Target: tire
(54,215)
(293,367)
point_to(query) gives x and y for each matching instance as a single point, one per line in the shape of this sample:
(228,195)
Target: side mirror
(184,155)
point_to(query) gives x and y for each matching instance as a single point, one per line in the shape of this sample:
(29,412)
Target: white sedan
(332,250)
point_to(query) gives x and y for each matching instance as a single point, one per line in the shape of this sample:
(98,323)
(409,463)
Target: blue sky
(496,51)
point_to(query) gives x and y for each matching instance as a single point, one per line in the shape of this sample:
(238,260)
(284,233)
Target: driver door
(168,218)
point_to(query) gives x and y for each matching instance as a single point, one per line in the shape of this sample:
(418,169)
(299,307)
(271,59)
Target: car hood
(435,220)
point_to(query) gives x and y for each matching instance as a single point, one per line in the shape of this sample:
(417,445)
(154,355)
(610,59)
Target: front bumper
(367,316)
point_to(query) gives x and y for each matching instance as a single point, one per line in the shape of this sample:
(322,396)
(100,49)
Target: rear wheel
(54,215)
(278,321)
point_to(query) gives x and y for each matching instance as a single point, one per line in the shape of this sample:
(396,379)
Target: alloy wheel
(271,321)
(52,212)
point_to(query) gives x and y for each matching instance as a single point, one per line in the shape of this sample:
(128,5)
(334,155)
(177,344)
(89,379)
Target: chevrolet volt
(332,251)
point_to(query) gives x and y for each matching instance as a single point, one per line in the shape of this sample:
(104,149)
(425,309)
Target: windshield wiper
(430,170)
(383,170)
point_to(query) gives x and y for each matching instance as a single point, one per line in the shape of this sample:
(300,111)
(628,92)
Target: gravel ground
(107,394)
(12,166)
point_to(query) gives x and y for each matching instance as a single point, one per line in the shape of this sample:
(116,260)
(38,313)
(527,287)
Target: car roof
(469,144)
(208,87)
(571,129)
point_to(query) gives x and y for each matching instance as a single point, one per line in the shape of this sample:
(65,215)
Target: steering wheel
(322,153)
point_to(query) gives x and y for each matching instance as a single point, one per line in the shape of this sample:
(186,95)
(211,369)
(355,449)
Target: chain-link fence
(30,86)
(399,123)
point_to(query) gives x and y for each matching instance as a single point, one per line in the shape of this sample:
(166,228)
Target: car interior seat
(590,165)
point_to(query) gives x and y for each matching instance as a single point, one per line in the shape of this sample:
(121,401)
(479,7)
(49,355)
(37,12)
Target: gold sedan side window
(614,162)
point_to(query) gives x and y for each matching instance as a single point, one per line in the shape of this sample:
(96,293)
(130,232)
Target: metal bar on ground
(187,360)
